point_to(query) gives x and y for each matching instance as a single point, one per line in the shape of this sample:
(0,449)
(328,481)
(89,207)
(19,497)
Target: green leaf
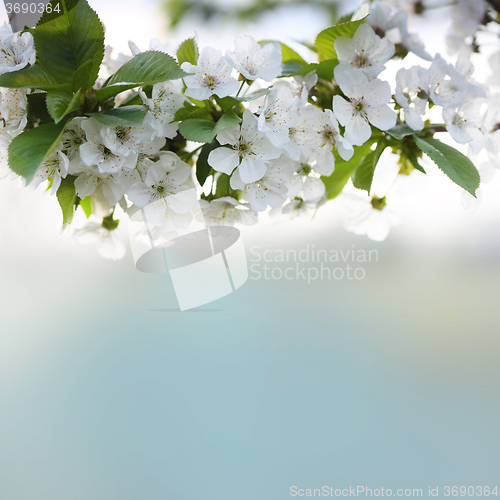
(66,196)
(198,104)
(82,76)
(290,68)
(412,158)
(324,69)
(134,99)
(29,149)
(453,163)
(326,39)
(70,45)
(228,120)
(228,102)
(37,106)
(203,169)
(192,112)
(223,187)
(252,96)
(34,77)
(188,52)
(401,130)
(197,130)
(362,177)
(61,103)
(124,116)
(344,169)
(86,204)
(146,68)
(287,53)
(53,14)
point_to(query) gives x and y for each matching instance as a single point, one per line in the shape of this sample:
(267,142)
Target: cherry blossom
(270,190)
(249,150)
(365,51)
(211,75)
(163,105)
(367,104)
(369,216)
(16,51)
(227,211)
(254,61)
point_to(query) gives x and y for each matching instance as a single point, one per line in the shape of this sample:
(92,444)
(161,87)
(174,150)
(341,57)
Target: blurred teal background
(108,393)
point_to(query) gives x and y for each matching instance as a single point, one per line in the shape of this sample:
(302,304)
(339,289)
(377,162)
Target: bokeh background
(108,392)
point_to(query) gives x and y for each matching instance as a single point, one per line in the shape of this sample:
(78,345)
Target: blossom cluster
(275,131)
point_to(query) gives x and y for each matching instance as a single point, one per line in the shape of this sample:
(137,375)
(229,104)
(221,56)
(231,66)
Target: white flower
(163,105)
(367,104)
(369,216)
(296,209)
(381,17)
(113,185)
(466,17)
(16,51)
(149,153)
(111,63)
(123,140)
(211,75)
(164,188)
(447,86)
(53,168)
(154,44)
(271,189)
(255,61)
(410,41)
(107,236)
(491,130)
(249,150)
(305,185)
(365,51)
(227,211)
(465,67)
(298,148)
(13,111)
(412,94)
(73,137)
(96,152)
(300,86)
(462,122)
(277,116)
(494,62)
(101,207)
(71,140)
(318,134)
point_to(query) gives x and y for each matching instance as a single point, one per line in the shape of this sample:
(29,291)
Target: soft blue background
(106,393)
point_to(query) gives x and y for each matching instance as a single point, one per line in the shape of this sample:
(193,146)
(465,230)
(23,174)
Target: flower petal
(224,160)
(251,170)
(382,116)
(358,131)
(343,110)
